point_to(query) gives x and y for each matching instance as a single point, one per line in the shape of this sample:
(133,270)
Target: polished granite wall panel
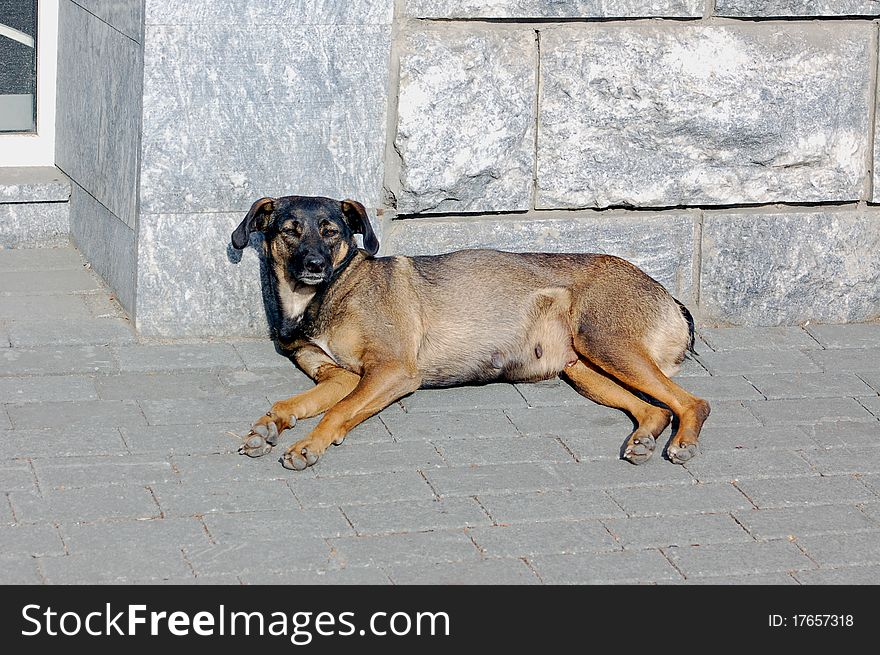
(108,244)
(98,109)
(234,111)
(191,283)
(127,16)
(257,12)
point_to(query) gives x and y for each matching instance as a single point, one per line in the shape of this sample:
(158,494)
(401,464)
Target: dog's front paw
(303,453)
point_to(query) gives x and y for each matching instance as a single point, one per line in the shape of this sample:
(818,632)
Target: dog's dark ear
(356,217)
(256,220)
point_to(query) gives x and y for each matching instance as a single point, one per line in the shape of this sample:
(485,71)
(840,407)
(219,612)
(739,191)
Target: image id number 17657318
(811,621)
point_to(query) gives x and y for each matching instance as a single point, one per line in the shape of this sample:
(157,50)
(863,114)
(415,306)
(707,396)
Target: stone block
(82,415)
(75,473)
(851,575)
(346,490)
(33,184)
(40,259)
(810,410)
(48,308)
(725,466)
(503,450)
(786,268)
(216,438)
(496,479)
(44,388)
(758,338)
(55,361)
(416,516)
(857,335)
(404,549)
(356,458)
(34,225)
(149,536)
(739,559)
(546,538)
(177,357)
(818,385)
(202,497)
(424,425)
(620,567)
(857,360)
(787,522)
(94,504)
(680,499)
(86,332)
(552,8)
(62,441)
(549,505)
(244,528)
(303,115)
(786,8)
(159,386)
(121,566)
(466,119)
(750,362)
(665,531)
(39,283)
(662,115)
(485,572)
(308,12)
(843,549)
(805,491)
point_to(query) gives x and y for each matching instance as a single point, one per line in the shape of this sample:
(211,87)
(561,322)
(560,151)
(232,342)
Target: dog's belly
(524,341)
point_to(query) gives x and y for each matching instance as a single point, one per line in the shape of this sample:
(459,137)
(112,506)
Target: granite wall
(98,123)
(726,146)
(244,99)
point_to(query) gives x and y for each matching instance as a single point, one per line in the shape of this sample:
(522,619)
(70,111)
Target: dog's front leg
(379,387)
(333,384)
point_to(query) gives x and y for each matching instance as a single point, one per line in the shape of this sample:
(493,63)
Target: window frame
(38,148)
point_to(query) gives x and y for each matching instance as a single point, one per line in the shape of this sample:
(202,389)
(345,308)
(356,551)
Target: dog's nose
(314,264)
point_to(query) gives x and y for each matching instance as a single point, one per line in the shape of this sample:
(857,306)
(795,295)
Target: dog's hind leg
(632,366)
(333,383)
(379,387)
(600,388)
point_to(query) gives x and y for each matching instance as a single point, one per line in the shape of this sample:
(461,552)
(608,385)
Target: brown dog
(371,330)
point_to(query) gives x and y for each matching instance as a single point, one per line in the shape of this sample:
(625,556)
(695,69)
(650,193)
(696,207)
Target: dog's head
(309,236)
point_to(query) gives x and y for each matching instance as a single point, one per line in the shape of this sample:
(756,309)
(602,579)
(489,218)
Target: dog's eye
(329,231)
(292,229)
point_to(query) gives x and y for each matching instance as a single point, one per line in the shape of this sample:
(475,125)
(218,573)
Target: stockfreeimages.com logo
(300,627)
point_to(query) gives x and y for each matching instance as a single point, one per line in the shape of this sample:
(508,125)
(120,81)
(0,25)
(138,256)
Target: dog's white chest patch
(294,300)
(323,345)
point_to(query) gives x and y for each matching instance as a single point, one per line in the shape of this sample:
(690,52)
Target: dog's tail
(690,321)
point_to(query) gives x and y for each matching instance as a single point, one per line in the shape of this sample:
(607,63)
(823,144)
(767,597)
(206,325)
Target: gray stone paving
(119,464)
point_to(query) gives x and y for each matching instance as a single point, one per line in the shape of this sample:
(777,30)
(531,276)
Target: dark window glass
(18,65)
